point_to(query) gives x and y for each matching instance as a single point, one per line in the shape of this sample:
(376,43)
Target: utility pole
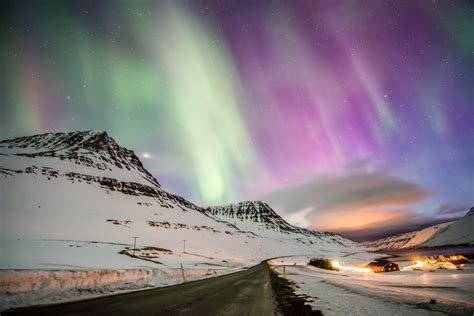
(184,245)
(134,244)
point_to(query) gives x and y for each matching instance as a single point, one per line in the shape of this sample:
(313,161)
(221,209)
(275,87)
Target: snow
(33,209)
(394,293)
(58,223)
(48,271)
(259,218)
(16,162)
(458,233)
(87,255)
(18,281)
(34,213)
(58,255)
(20,288)
(254,216)
(51,232)
(406,240)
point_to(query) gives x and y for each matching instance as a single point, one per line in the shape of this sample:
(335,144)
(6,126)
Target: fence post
(182,273)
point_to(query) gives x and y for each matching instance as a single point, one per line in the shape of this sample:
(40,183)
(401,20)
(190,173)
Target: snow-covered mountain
(405,240)
(259,218)
(93,151)
(84,186)
(459,232)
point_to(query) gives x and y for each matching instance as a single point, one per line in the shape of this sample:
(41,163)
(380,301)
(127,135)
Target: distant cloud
(408,224)
(448,210)
(359,205)
(361,165)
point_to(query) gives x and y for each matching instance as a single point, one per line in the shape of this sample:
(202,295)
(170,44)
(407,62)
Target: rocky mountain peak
(94,149)
(251,212)
(253,209)
(471,212)
(259,217)
(51,141)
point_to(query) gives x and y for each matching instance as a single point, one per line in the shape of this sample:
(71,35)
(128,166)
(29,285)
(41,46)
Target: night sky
(350,116)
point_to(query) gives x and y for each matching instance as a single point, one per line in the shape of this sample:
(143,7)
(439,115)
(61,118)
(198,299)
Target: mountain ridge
(246,213)
(450,233)
(89,148)
(460,232)
(405,240)
(84,186)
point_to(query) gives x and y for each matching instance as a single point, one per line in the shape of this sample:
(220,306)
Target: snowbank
(25,281)
(22,288)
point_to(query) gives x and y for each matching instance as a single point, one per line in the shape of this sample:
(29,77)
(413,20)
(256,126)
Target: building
(458,260)
(383,266)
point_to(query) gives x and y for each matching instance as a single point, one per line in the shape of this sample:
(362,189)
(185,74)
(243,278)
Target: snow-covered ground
(84,255)
(58,255)
(394,293)
(72,201)
(40,206)
(50,271)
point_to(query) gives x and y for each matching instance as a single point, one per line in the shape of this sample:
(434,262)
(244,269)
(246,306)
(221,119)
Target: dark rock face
(258,212)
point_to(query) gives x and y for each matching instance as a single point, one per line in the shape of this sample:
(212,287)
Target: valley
(86,221)
(77,201)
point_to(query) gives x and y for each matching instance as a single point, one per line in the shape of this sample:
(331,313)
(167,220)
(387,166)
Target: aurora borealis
(351,116)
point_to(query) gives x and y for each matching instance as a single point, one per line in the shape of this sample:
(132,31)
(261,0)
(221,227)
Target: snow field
(394,293)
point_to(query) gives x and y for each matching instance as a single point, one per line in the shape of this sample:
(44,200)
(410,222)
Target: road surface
(243,293)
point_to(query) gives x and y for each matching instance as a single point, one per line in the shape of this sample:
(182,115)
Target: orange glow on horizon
(357,219)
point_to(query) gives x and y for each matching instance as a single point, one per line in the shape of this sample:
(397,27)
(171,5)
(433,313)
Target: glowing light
(203,99)
(342,267)
(233,106)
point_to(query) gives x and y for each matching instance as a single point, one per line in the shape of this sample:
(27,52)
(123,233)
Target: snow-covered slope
(84,186)
(405,240)
(460,232)
(259,218)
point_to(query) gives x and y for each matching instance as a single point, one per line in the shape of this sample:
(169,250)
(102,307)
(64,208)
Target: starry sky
(350,116)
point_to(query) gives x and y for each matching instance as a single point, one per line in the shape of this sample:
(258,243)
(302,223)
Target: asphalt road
(243,293)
